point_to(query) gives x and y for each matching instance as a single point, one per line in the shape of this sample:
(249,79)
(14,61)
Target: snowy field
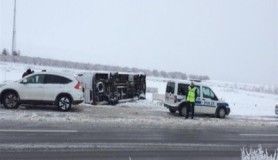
(247,108)
(130,114)
(241,102)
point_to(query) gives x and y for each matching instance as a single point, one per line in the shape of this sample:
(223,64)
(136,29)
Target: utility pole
(14,29)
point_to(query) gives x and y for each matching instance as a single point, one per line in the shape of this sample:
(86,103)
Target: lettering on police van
(209,103)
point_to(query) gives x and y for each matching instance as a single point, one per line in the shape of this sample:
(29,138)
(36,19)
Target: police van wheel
(221,113)
(172,110)
(183,110)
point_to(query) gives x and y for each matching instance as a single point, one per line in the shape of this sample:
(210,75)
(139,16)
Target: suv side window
(170,87)
(208,93)
(36,79)
(55,79)
(182,89)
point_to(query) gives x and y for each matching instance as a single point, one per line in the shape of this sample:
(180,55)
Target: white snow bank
(248,103)
(258,154)
(143,114)
(242,102)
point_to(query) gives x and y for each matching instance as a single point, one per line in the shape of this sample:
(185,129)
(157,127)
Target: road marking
(260,135)
(96,147)
(116,147)
(38,131)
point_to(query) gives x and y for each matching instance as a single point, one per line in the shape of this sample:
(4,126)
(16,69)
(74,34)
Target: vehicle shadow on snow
(195,116)
(46,108)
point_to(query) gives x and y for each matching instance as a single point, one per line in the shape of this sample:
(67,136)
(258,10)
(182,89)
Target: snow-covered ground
(245,103)
(242,103)
(142,114)
(258,154)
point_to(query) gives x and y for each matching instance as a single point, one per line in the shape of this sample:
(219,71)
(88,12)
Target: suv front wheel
(64,103)
(10,100)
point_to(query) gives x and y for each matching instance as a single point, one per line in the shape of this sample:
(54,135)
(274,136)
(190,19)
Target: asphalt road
(85,141)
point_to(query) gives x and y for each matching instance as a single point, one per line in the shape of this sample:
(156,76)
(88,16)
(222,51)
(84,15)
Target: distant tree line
(16,57)
(5,52)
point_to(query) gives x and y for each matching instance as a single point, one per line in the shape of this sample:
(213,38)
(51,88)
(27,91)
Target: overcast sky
(233,40)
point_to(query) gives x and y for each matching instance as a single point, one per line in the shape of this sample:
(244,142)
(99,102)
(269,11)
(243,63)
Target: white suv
(206,102)
(42,88)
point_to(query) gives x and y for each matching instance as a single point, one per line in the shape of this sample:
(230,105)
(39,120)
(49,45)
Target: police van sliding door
(209,101)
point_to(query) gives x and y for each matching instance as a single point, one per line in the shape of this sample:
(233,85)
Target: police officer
(191,99)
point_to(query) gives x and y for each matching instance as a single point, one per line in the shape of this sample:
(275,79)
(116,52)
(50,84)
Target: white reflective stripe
(38,131)
(260,135)
(118,146)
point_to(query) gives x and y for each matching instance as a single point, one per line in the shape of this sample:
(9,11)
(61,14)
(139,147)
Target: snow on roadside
(248,103)
(144,114)
(258,154)
(143,104)
(242,102)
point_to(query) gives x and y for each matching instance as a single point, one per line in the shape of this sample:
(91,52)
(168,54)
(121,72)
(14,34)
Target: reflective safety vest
(191,95)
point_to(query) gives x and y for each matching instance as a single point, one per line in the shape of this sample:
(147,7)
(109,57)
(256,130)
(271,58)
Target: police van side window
(182,89)
(170,87)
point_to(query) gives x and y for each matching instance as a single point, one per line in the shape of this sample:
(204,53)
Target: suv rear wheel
(10,100)
(64,103)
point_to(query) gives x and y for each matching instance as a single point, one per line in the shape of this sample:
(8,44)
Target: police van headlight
(227,105)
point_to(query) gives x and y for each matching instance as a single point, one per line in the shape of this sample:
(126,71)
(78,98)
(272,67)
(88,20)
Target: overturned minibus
(109,87)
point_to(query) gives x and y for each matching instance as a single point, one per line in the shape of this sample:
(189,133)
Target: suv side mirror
(24,81)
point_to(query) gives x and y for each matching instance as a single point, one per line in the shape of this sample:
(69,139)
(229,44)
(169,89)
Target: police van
(206,103)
